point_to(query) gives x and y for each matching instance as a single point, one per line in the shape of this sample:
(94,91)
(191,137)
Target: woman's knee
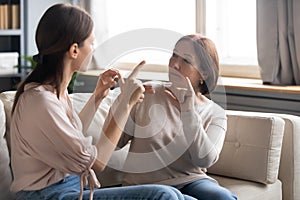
(167,192)
(206,189)
(223,194)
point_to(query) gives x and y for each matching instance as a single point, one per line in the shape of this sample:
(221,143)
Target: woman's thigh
(69,189)
(207,189)
(69,185)
(138,192)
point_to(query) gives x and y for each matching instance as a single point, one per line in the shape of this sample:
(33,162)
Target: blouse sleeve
(55,140)
(207,143)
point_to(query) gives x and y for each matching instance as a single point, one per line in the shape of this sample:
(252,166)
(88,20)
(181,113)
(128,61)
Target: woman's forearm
(112,130)
(132,91)
(87,113)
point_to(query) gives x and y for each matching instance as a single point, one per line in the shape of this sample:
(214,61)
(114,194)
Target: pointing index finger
(136,70)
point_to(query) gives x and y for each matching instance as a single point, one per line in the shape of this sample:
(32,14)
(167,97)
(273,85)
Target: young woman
(178,132)
(51,157)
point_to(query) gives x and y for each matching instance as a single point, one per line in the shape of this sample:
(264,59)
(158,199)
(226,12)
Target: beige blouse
(47,142)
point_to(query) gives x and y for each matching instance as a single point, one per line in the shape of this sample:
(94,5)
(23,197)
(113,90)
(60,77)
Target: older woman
(178,132)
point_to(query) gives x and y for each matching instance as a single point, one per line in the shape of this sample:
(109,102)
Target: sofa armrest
(289,170)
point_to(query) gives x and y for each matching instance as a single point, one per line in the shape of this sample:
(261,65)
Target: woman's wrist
(97,98)
(123,103)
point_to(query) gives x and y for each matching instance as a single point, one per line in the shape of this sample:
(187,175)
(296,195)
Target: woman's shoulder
(39,94)
(210,106)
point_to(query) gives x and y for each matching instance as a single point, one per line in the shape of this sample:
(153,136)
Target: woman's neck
(68,73)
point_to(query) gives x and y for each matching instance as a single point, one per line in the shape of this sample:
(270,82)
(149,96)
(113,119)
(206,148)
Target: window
(231,24)
(119,16)
(127,15)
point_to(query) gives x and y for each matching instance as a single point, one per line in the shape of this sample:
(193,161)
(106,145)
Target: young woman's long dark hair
(61,26)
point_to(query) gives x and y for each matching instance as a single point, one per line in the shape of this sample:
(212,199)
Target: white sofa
(260,158)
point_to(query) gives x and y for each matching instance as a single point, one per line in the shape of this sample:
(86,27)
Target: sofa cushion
(78,101)
(252,147)
(249,190)
(8,99)
(5,172)
(2,121)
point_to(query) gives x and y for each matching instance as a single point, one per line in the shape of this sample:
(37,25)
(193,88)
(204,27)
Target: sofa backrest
(5,172)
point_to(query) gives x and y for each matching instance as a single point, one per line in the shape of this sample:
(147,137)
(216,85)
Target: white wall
(34,9)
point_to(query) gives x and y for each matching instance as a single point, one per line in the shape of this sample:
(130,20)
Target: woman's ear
(73,51)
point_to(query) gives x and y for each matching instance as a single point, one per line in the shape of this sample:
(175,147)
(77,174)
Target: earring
(201,82)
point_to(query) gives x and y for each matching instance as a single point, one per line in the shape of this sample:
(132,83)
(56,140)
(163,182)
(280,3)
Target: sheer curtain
(278,41)
(97,9)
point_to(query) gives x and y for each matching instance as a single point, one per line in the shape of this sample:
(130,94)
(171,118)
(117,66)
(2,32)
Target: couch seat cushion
(248,190)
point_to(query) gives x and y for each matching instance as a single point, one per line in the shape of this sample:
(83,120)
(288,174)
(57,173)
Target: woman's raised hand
(182,90)
(132,89)
(105,81)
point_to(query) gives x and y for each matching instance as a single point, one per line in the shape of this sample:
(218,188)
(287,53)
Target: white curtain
(278,41)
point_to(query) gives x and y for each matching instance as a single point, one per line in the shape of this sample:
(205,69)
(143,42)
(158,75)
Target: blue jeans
(69,188)
(207,189)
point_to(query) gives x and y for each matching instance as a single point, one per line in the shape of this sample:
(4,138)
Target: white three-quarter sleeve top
(172,147)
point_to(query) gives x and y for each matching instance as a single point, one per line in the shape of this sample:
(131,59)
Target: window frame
(234,70)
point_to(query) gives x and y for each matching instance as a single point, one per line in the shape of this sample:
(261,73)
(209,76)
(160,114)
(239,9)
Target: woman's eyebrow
(188,56)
